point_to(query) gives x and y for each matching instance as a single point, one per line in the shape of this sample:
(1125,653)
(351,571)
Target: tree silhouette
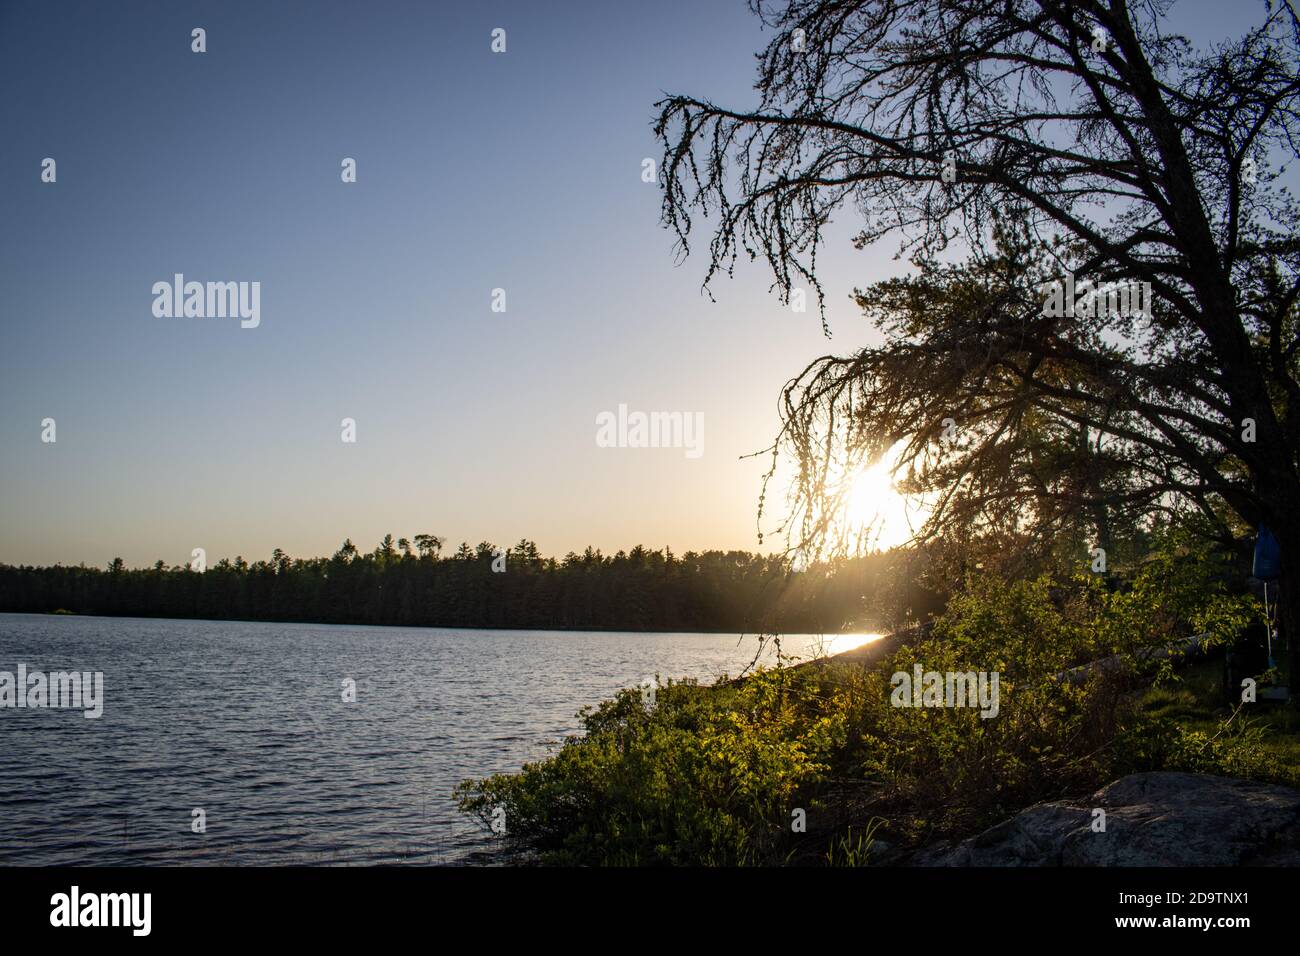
(429,545)
(641,589)
(1044,137)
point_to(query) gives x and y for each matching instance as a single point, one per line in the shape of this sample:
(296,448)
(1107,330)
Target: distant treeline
(396,584)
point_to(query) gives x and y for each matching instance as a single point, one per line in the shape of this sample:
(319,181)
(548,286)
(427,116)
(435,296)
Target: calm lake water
(247,722)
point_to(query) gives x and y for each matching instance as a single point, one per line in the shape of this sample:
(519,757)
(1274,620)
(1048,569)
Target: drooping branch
(1124,155)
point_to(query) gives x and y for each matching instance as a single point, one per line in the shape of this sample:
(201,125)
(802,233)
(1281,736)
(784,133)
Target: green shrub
(708,776)
(1233,747)
(712,775)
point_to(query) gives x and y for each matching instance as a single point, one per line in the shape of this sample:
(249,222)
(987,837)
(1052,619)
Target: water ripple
(247,722)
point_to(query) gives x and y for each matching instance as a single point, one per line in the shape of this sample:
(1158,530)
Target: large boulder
(1152,819)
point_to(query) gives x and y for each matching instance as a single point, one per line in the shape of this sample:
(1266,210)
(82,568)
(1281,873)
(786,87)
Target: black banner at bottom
(136,905)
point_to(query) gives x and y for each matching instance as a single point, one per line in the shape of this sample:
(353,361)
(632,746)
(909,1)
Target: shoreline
(440,627)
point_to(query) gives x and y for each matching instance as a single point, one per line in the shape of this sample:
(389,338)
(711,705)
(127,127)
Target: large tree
(1008,143)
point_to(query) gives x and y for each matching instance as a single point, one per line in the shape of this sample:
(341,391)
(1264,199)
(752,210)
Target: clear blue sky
(475,171)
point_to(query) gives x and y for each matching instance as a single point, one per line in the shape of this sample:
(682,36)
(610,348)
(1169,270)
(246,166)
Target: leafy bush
(707,776)
(715,775)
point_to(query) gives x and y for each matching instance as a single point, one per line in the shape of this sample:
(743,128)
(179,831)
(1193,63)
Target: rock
(1152,819)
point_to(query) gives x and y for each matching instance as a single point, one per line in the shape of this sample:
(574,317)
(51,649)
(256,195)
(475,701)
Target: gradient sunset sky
(475,171)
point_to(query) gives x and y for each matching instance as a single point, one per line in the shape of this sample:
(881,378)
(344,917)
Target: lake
(247,723)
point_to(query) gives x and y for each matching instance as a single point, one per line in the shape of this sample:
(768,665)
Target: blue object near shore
(1268,556)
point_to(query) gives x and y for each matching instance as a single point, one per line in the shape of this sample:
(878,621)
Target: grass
(1194,703)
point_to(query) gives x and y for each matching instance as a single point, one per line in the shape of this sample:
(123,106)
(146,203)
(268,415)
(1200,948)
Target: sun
(875,513)
(870,488)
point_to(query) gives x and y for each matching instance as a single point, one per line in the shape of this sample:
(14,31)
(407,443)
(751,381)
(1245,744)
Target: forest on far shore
(397,584)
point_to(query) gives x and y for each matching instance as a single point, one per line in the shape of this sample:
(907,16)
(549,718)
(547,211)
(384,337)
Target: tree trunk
(1288,604)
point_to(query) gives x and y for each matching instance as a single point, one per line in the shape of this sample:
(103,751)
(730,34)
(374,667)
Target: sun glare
(875,512)
(848,642)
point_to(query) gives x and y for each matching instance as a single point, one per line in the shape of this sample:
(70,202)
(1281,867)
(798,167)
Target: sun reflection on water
(839,643)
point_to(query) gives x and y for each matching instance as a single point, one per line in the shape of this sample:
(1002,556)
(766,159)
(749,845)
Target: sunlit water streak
(246,721)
